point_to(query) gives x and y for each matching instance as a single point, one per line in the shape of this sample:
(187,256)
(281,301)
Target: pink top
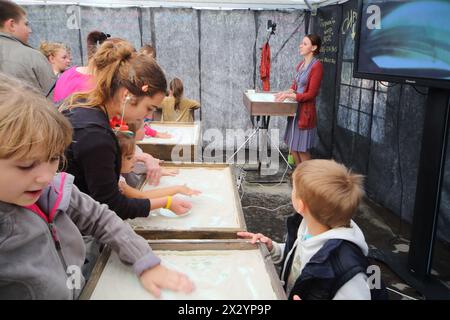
(149,131)
(71,81)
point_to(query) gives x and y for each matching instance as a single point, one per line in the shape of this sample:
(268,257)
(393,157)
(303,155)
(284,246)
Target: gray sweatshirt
(25,63)
(41,244)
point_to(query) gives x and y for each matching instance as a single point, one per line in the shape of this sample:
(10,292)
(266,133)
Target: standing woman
(129,86)
(301,130)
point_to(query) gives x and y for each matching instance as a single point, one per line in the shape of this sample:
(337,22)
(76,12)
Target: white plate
(170,214)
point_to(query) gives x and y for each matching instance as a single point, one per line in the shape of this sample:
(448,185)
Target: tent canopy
(198,4)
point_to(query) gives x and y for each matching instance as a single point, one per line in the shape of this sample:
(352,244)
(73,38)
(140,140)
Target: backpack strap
(345,277)
(346,270)
(292,224)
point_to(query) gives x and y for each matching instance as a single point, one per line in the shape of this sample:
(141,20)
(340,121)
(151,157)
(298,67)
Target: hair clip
(145,88)
(128,133)
(114,122)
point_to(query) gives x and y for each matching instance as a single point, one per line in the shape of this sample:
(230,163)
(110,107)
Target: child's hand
(296,297)
(159,277)
(163,135)
(154,170)
(255,237)
(170,172)
(188,191)
(180,206)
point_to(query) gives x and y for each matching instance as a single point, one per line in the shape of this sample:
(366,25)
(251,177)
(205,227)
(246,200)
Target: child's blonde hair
(28,122)
(126,143)
(51,48)
(331,192)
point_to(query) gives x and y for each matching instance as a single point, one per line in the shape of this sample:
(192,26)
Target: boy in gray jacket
(43,214)
(17,58)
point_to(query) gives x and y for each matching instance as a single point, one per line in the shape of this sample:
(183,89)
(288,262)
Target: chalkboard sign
(327,24)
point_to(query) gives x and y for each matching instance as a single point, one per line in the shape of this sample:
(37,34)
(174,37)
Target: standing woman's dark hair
(315,41)
(176,86)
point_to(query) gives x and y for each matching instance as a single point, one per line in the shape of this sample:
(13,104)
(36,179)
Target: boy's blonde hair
(28,121)
(331,192)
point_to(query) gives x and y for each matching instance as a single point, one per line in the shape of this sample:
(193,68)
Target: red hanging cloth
(264,69)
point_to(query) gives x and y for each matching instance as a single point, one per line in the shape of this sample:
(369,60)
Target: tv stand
(428,192)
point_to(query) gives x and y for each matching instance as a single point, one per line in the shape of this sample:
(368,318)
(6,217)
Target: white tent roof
(206,4)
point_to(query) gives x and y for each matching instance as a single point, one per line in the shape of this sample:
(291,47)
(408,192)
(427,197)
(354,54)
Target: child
(43,214)
(175,107)
(148,131)
(127,147)
(325,254)
(133,178)
(57,54)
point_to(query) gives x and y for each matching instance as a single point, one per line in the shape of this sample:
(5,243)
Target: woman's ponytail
(116,64)
(176,85)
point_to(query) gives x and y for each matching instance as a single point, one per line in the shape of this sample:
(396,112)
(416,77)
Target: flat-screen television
(406,41)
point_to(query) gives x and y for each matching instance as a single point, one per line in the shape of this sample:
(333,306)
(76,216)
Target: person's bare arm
(154,170)
(178,206)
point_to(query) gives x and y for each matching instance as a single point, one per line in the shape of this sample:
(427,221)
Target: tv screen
(405,41)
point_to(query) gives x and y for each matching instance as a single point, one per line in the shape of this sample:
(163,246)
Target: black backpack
(328,271)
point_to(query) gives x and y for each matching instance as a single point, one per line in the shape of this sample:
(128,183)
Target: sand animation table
(263,104)
(227,269)
(186,139)
(215,214)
